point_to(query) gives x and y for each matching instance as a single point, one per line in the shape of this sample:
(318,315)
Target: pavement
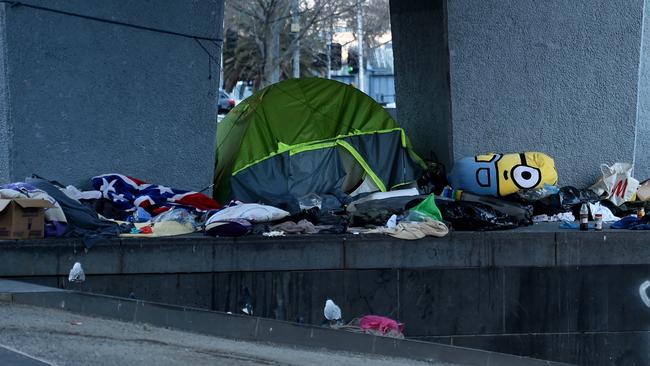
(34,336)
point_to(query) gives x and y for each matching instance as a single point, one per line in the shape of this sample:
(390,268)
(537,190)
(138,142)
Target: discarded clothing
(410,230)
(301,227)
(574,225)
(128,193)
(55,220)
(564,216)
(632,223)
(383,325)
(228,227)
(82,221)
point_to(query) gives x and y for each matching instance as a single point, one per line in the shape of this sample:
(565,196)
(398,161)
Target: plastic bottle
(584,217)
(640,213)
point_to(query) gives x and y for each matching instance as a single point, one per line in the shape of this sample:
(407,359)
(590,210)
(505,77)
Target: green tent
(309,135)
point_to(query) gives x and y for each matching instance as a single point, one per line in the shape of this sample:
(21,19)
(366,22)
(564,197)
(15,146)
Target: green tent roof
(290,113)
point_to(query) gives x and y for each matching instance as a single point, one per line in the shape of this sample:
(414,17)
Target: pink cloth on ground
(380,323)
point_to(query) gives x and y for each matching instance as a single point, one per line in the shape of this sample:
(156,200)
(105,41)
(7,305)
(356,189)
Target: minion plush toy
(503,174)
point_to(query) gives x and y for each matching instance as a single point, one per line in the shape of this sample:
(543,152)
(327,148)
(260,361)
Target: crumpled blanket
(413,230)
(632,223)
(83,222)
(127,193)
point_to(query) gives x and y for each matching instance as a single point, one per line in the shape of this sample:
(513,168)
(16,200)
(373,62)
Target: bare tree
(259,43)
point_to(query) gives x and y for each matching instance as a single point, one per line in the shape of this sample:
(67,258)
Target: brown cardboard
(22,218)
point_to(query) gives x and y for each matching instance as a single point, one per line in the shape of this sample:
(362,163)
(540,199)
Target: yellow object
(503,174)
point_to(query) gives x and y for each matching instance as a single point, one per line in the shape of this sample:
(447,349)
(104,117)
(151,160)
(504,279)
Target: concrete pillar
(79,97)
(565,77)
(422,75)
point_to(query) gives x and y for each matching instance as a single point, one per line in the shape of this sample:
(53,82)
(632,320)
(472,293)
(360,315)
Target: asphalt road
(61,338)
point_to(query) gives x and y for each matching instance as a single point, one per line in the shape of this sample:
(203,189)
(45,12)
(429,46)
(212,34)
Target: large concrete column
(422,75)
(80,97)
(565,77)
(642,142)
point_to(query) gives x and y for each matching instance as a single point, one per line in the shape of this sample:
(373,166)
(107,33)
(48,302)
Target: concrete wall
(642,155)
(554,76)
(422,75)
(565,77)
(4,107)
(86,97)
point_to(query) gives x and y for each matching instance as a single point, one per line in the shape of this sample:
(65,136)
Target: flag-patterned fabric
(127,193)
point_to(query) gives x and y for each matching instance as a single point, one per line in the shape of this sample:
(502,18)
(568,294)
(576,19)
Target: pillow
(252,212)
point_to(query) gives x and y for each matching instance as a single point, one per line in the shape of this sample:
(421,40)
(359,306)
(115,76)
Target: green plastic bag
(426,208)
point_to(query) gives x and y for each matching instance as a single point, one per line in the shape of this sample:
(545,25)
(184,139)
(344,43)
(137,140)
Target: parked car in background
(225,103)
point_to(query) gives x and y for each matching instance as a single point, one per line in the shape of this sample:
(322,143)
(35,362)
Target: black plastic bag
(569,199)
(475,216)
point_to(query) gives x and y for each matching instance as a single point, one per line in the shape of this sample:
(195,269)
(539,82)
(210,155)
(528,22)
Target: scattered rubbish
(77,274)
(76,322)
(273,233)
(584,217)
(246,302)
(536,194)
(310,200)
(392,222)
(616,183)
(424,209)
(599,209)
(564,216)
(599,222)
(375,324)
(643,192)
(475,216)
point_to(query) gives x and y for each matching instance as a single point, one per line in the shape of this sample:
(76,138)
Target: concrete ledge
(537,246)
(262,330)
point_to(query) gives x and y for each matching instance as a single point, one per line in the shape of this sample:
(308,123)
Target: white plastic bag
(617,182)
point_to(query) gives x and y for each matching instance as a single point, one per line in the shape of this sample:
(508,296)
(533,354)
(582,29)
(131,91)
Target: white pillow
(252,212)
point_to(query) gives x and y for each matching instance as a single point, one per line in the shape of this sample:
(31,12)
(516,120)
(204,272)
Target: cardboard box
(22,218)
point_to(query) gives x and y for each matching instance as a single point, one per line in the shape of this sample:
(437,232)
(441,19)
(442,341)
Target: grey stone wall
(554,76)
(4,107)
(85,97)
(642,143)
(565,77)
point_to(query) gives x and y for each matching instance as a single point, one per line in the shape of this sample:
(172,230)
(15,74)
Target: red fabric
(380,323)
(197,200)
(136,180)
